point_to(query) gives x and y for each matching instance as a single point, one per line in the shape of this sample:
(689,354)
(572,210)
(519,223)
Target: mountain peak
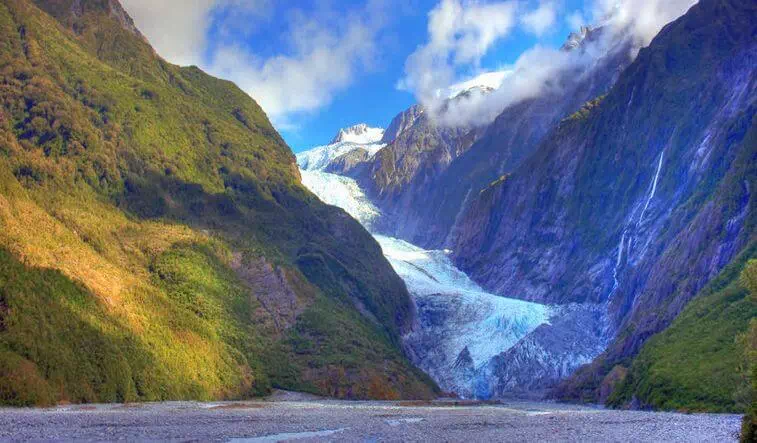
(576,38)
(360,134)
(585,34)
(401,122)
(486,82)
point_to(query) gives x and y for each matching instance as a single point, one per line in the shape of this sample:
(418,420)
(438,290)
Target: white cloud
(460,33)
(540,19)
(575,20)
(323,61)
(642,18)
(184,40)
(324,50)
(538,70)
(492,79)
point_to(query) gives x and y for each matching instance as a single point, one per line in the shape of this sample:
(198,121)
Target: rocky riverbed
(300,418)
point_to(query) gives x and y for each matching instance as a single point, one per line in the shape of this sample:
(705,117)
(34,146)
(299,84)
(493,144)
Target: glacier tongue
(460,328)
(483,323)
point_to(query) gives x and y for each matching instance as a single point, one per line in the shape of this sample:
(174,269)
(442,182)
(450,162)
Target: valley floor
(303,419)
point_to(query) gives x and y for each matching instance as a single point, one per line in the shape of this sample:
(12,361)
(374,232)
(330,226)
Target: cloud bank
(185,42)
(460,33)
(321,61)
(541,19)
(539,70)
(325,50)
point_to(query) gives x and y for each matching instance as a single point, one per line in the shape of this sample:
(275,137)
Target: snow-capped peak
(347,140)
(485,82)
(359,134)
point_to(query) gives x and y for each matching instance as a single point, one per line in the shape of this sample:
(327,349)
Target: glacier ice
(343,192)
(483,323)
(460,327)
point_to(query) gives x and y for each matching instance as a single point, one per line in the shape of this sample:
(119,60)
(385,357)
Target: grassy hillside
(693,365)
(155,238)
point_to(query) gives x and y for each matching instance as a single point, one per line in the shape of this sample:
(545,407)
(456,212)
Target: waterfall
(654,188)
(618,261)
(626,246)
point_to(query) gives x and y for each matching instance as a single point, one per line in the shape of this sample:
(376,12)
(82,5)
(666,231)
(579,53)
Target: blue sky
(373,96)
(316,66)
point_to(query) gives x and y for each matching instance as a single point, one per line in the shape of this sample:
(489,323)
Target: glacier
(343,192)
(460,328)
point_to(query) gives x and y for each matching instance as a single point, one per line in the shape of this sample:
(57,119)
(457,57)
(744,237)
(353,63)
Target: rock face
(637,200)
(72,12)
(424,178)
(274,290)
(351,163)
(402,122)
(401,176)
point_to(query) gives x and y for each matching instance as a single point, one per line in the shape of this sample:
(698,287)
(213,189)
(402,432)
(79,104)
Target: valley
(180,258)
(577,224)
(461,331)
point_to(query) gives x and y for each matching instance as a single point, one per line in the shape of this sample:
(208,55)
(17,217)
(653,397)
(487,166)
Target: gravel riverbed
(304,419)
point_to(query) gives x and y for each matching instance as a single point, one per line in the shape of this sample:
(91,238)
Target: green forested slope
(694,364)
(156,241)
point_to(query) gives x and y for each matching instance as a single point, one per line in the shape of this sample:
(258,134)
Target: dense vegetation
(749,365)
(694,364)
(146,213)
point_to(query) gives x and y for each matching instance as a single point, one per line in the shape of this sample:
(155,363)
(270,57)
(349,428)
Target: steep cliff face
(636,201)
(518,130)
(702,361)
(402,122)
(156,240)
(401,176)
(429,172)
